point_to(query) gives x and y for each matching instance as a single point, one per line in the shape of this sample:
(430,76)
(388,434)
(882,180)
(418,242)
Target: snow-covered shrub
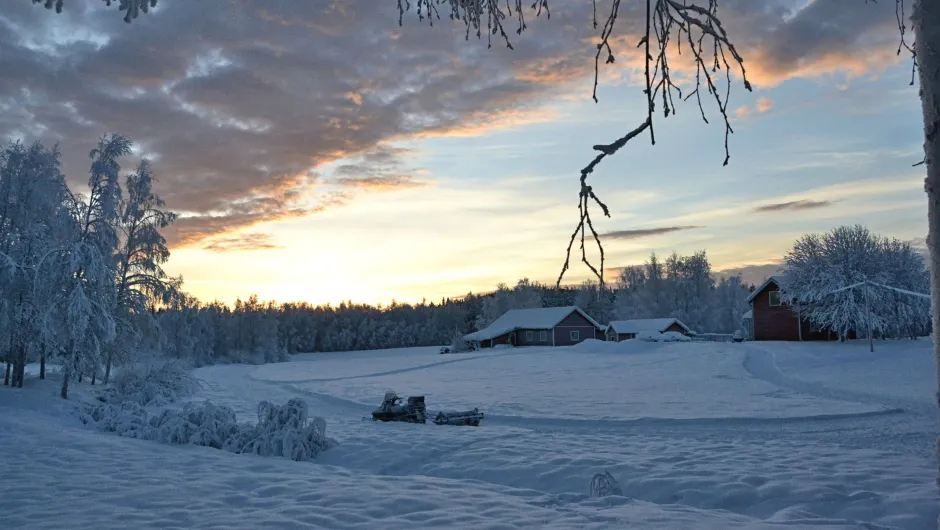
(127,419)
(604,484)
(285,431)
(458,344)
(153,382)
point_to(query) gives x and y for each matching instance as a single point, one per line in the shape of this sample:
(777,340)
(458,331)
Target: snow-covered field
(699,435)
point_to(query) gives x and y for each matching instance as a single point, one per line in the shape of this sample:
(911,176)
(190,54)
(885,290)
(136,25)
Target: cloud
(380,169)
(763,104)
(803,204)
(646,232)
(241,106)
(250,241)
(753,274)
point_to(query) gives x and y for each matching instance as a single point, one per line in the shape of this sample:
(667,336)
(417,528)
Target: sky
(318,151)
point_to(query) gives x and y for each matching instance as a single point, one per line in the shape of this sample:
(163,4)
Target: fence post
(871,343)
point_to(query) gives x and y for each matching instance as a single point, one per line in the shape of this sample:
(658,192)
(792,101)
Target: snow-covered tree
(597,300)
(140,279)
(525,295)
(828,275)
(33,196)
(81,267)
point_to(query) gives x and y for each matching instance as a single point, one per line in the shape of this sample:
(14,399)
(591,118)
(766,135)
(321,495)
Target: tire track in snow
(761,363)
(397,370)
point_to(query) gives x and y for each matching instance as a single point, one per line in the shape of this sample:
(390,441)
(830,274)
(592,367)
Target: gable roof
(538,318)
(640,325)
(776,279)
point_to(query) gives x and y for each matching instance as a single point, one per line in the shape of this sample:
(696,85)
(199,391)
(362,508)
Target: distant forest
(679,286)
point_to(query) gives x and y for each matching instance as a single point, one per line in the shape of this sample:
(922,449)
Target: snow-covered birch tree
(81,312)
(140,278)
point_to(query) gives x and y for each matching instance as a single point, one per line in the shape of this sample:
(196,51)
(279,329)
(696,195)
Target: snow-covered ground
(699,435)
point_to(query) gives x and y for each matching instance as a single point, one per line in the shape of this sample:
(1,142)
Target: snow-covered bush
(153,382)
(458,344)
(285,431)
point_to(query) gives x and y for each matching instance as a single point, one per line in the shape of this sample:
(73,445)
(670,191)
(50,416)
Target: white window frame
(770,299)
(530,336)
(575,335)
(543,336)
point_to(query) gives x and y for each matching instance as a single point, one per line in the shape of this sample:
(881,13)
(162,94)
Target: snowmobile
(467,417)
(392,409)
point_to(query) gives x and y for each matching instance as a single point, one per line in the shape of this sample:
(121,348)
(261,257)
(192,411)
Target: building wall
(522,339)
(625,336)
(574,322)
(780,323)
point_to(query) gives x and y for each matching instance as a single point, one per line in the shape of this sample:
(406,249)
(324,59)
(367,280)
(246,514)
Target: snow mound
(601,346)
(151,383)
(285,431)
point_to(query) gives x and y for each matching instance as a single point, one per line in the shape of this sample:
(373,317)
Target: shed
(619,330)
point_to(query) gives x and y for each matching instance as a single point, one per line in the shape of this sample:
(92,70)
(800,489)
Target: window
(529,336)
(774,298)
(575,336)
(814,327)
(543,336)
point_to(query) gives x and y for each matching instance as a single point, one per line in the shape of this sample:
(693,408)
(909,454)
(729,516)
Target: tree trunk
(107,368)
(67,366)
(21,374)
(93,374)
(65,384)
(42,363)
(6,377)
(926,25)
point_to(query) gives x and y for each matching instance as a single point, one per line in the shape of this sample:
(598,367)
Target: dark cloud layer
(804,204)
(646,232)
(240,104)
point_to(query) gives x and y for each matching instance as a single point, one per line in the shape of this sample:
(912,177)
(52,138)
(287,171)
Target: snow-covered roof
(539,318)
(777,279)
(641,325)
(749,314)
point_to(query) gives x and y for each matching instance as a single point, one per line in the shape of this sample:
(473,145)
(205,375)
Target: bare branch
(667,21)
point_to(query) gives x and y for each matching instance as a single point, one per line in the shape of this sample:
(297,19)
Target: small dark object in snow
(392,409)
(468,417)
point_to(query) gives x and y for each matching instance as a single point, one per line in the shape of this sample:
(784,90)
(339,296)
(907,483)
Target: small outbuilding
(545,326)
(619,330)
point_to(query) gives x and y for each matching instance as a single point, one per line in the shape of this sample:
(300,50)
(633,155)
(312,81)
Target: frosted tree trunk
(107,368)
(926,24)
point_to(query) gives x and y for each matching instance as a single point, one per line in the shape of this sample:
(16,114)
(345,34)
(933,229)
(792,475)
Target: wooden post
(799,322)
(871,343)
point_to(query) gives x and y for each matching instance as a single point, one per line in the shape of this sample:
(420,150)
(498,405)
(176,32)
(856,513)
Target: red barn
(772,319)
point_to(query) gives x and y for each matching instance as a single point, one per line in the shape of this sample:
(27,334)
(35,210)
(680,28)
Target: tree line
(83,285)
